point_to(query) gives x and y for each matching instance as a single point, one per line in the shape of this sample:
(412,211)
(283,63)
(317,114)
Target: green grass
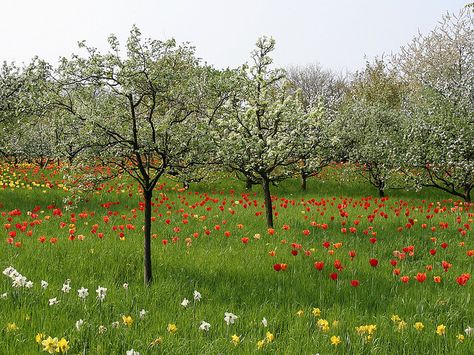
(237,277)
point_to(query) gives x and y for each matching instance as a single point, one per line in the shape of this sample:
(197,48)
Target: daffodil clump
(366,331)
(52,345)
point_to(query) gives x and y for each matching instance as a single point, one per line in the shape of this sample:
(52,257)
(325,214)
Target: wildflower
(172,328)
(101,293)
(79,324)
(196,295)
(395,318)
(235,339)
(421,277)
(230,318)
(132,352)
(335,340)
(4,296)
(185,303)
(204,326)
(127,320)
(260,344)
(323,325)
(355,283)
(300,313)
(115,324)
(11,327)
(125,287)
(316,312)
(269,337)
(83,293)
(460,338)
(44,284)
(441,329)
(39,338)
(437,279)
(469,331)
(419,326)
(373,262)
(63,345)
(29,284)
(401,325)
(50,345)
(142,313)
(53,301)
(157,341)
(102,329)
(66,287)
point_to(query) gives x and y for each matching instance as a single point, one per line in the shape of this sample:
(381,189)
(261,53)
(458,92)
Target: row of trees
(156,109)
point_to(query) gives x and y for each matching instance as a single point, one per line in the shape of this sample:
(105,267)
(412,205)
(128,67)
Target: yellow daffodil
(401,325)
(157,341)
(39,338)
(419,326)
(269,337)
(127,320)
(300,313)
(172,328)
(441,329)
(260,344)
(316,312)
(460,338)
(50,345)
(335,340)
(235,339)
(395,318)
(11,327)
(63,345)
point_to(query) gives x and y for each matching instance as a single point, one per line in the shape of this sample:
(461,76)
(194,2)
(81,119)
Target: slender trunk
(147,247)
(381,192)
(268,202)
(248,184)
(304,177)
(467,195)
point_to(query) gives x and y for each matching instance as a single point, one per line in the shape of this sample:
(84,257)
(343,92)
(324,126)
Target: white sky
(339,34)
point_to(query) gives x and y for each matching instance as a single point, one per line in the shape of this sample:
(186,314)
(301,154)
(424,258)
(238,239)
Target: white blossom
(197,295)
(53,301)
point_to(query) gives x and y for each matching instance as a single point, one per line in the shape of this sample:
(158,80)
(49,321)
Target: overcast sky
(339,34)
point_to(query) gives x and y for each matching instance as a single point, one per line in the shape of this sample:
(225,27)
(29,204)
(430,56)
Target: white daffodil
(101,293)
(197,295)
(83,292)
(185,303)
(53,301)
(204,326)
(44,284)
(230,318)
(264,322)
(79,324)
(142,313)
(66,287)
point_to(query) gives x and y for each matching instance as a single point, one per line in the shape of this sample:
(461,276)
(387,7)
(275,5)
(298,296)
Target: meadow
(342,272)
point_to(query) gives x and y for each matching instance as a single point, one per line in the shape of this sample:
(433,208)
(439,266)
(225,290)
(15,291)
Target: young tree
(259,131)
(322,91)
(143,113)
(369,126)
(439,69)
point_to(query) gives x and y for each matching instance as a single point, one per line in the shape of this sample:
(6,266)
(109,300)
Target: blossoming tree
(260,129)
(143,114)
(439,68)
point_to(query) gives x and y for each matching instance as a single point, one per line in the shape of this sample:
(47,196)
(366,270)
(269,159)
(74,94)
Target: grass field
(394,275)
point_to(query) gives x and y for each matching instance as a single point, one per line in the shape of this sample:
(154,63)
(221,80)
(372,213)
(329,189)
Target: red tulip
(319,265)
(373,262)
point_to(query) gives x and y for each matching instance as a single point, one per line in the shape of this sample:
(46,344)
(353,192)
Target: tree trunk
(467,195)
(268,202)
(248,184)
(304,177)
(381,192)
(147,247)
